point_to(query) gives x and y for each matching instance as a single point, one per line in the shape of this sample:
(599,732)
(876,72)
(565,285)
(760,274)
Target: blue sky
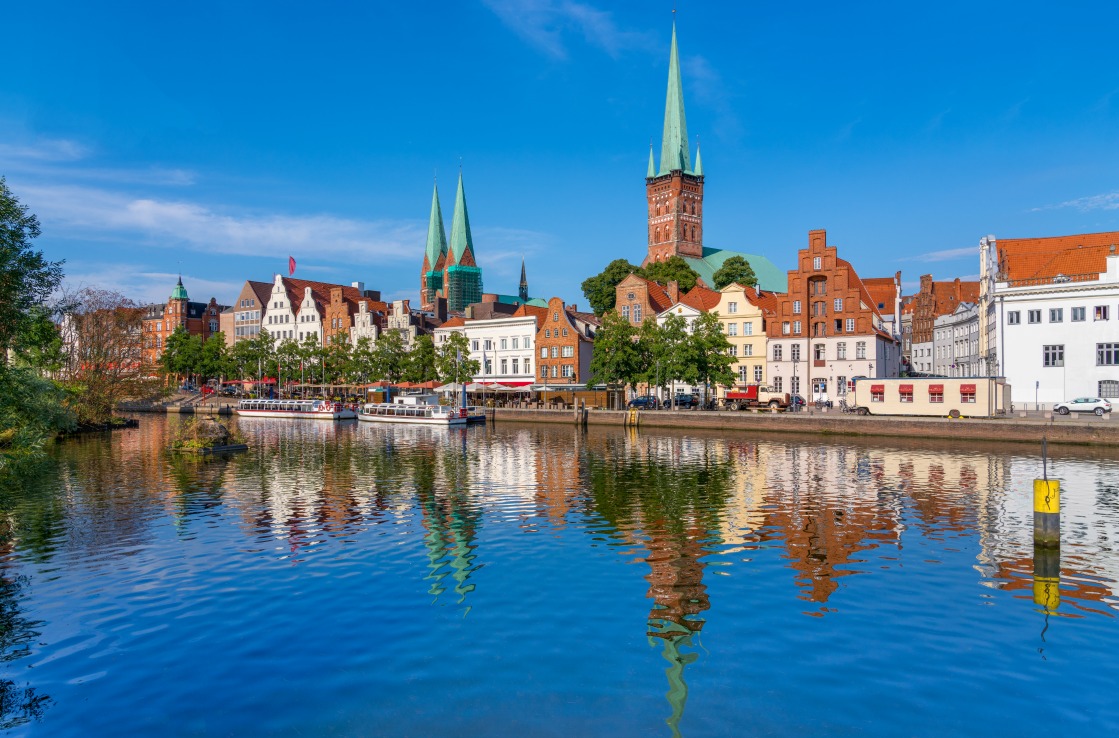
(220,138)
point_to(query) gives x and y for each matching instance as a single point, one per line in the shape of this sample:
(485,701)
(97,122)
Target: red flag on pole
(291,265)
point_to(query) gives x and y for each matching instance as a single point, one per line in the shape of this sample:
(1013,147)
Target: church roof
(769,276)
(436,236)
(179,293)
(461,240)
(674,142)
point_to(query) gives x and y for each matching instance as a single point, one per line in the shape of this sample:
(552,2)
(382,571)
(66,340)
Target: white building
(365,324)
(504,348)
(1056,315)
(955,344)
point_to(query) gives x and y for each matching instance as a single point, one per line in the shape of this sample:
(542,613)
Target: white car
(1083,405)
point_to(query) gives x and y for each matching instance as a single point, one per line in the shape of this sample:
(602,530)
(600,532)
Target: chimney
(673,291)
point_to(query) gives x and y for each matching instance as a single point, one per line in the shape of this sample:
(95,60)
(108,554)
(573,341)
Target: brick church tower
(435,256)
(450,271)
(675,191)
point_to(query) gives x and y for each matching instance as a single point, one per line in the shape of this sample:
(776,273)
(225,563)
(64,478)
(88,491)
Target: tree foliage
(735,270)
(615,359)
(674,268)
(27,280)
(600,289)
(453,362)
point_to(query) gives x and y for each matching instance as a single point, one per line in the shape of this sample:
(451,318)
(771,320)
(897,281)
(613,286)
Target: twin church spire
(450,271)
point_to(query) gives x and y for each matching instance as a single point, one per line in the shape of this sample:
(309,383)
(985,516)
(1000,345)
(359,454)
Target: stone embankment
(1090,431)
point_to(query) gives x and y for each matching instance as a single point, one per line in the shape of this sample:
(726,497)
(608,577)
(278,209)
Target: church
(450,272)
(674,191)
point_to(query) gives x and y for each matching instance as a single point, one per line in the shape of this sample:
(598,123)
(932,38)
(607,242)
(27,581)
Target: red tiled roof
(456,322)
(1045,258)
(864,294)
(533,311)
(702,298)
(883,290)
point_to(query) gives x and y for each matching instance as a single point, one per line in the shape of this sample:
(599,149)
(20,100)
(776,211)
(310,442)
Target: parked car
(644,402)
(1095,405)
(796,402)
(207,390)
(687,401)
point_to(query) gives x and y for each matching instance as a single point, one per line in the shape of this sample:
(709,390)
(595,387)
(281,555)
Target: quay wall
(1088,431)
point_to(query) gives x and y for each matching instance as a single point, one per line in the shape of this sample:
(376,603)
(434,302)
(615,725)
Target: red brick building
(564,342)
(160,321)
(936,299)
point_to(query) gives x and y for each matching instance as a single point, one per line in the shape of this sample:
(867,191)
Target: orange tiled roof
(658,297)
(883,290)
(863,293)
(456,322)
(1045,258)
(702,298)
(947,298)
(540,313)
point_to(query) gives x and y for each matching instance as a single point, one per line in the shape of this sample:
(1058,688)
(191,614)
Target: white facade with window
(504,349)
(1057,339)
(365,324)
(955,344)
(280,315)
(810,366)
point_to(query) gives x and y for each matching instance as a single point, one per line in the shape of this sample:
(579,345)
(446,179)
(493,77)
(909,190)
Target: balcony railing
(1059,279)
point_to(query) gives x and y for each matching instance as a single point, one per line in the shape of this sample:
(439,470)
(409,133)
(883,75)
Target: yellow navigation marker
(1047,512)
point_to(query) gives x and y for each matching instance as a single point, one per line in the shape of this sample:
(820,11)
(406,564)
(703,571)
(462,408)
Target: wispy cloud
(145,286)
(545,23)
(945,255)
(1106,201)
(104,214)
(44,149)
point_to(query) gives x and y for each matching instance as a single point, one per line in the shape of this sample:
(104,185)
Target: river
(346,579)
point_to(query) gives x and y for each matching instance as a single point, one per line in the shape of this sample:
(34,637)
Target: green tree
(336,356)
(735,270)
(615,357)
(600,289)
(182,354)
(420,363)
(710,352)
(359,365)
(389,357)
(213,359)
(667,352)
(453,362)
(674,268)
(27,280)
(288,358)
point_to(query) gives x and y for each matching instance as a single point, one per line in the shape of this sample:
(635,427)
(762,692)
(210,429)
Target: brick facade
(564,340)
(160,321)
(675,202)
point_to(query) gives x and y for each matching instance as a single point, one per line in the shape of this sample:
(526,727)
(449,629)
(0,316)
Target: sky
(217,139)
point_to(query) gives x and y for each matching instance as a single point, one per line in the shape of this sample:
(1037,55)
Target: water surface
(345,579)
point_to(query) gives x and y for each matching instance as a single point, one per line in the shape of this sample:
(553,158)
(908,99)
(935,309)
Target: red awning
(905,388)
(877,388)
(936,388)
(967,388)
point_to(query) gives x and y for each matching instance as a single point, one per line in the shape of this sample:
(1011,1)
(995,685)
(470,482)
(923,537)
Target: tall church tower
(435,256)
(462,279)
(675,191)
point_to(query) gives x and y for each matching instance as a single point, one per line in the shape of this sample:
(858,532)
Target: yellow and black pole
(1047,537)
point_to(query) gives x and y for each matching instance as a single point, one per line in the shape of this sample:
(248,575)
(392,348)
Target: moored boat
(423,409)
(318,409)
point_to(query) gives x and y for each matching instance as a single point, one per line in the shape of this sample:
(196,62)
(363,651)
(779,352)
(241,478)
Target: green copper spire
(674,144)
(652,167)
(436,236)
(180,292)
(698,161)
(461,242)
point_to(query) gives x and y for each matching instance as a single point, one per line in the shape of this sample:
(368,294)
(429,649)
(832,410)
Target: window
(1013,317)
(1078,314)
(488,344)
(548,331)
(504,344)
(777,384)
(1053,355)
(516,366)
(936,393)
(819,352)
(555,352)
(555,369)
(777,352)
(625,314)
(555,316)
(757,372)
(796,327)
(732,351)
(1034,316)
(841,350)
(565,332)
(817,263)
(568,351)
(905,393)
(850,325)
(841,385)
(967,394)
(1101,312)
(837,304)
(528,366)
(732,329)
(543,352)
(1056,315)
(1109,388)
(860,349)
(543,371)
(732,307)
(636,313)
(838,325)
(747,328)
(794,352)
(568,370)
(742,375)
(794,385)
(878,393)
(516,344)
(785,327)
(796,307)
(748,350)
(1107,354)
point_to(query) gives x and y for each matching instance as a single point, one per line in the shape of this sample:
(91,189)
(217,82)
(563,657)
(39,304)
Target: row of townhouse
(828,327)
(534,346)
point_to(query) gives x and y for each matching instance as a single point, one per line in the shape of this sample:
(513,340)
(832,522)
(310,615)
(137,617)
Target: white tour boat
(321,409)
(423,409)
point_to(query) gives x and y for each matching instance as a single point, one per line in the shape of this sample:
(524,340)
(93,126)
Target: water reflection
(826,521)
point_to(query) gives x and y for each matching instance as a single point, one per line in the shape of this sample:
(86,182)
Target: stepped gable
(1045,258)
